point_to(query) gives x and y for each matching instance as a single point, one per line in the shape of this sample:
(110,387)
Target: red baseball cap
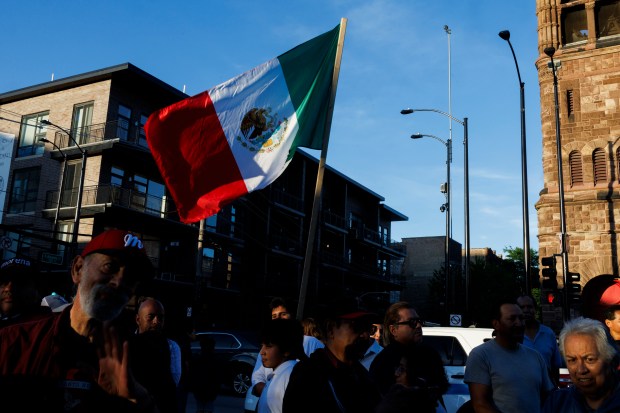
(122,243)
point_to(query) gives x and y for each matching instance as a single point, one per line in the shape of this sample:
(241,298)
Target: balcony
(287,200)
(335,221)
(110,194)
(374,238)
(285,245)
(118,129)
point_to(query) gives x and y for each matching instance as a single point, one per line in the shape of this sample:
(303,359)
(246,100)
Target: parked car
(236,353)
(454,345)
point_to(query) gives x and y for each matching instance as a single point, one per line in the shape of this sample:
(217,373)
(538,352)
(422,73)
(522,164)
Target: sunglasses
(412,322)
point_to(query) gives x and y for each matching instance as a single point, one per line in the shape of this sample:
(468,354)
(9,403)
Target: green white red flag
(239,136)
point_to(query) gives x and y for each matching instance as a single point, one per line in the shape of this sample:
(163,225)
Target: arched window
(576,170)
(600,166)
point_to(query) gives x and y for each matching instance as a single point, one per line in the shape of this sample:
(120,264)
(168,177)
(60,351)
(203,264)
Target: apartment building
(75,162)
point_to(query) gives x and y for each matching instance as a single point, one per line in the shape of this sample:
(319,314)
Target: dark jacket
(322,384)
(46,366)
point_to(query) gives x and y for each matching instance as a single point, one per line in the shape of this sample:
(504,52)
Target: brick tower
(586,36)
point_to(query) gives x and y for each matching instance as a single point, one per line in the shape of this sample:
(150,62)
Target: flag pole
(319,179)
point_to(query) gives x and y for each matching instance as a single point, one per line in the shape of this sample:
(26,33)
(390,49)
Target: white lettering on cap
(132,241)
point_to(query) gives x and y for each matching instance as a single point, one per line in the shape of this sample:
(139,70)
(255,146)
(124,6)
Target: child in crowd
(282,346)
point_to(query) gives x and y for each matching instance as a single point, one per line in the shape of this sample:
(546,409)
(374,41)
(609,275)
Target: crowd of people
(90,355)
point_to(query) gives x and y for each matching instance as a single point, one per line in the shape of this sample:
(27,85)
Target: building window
(142,137)
(116,176)
(576,170)
(71,184)
(20,246)
(600,166)
(570,104)
(574,25)
(123,120)
(607,18)
(618,160)
(24,190)
(31,132)
(82,121)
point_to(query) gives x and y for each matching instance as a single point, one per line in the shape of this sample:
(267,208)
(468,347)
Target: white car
(454,345)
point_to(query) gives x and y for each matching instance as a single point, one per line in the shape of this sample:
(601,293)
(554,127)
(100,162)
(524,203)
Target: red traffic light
(550,298)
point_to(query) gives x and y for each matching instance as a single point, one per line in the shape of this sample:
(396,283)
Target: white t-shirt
(273,394)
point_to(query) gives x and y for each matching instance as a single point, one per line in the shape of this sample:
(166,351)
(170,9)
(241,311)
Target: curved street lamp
(62,182)
(505,34)
(464,123)
(445,207)
(78,208)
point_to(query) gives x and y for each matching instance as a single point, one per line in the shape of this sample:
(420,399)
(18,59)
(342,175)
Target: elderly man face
(588,370)
(105,284)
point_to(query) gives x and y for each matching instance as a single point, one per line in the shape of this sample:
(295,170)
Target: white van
(454,345)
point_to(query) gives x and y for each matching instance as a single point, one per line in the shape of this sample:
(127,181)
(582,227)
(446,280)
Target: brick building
(586,36)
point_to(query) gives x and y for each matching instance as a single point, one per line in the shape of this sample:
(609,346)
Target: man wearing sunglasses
(402,329)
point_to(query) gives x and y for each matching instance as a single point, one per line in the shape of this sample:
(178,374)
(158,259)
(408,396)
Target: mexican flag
(239,136)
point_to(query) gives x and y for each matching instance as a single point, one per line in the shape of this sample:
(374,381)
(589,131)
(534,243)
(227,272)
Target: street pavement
(223,404)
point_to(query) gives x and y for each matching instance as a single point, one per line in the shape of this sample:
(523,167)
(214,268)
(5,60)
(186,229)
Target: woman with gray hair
(592,363)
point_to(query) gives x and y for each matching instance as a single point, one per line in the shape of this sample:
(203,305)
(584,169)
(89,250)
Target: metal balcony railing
(118,129)
(110,194)
(285,244)
(334,219)
(289,200)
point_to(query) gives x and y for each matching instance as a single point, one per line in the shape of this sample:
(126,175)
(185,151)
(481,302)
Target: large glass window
(72,183)
(24,190)
(82,121)
(574,25)
(31,132)
(123,121)
(147,195)
(607,18)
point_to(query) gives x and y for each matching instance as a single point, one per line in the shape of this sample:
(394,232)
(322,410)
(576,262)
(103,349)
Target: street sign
(455,320)
(50,258)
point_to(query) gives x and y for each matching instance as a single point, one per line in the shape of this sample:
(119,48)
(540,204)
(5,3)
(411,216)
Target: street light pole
(62,182)
(550,51)
(464,123)
(446,207)
(505,34)
(78,208)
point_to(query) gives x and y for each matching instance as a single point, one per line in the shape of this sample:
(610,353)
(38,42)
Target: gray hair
(592,328)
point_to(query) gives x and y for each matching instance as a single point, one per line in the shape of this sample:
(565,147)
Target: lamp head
(505,34)
(549,51)
(46,122)
(406,111)
(417,136)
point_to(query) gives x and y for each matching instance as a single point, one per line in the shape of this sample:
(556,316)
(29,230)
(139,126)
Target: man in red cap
(74,360)
(333,379)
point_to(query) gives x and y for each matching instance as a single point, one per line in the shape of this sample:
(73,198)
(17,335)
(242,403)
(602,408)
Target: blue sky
(395,56)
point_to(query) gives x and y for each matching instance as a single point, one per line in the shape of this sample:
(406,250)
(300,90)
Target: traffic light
(573,288)
(553,298)
(549,273)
